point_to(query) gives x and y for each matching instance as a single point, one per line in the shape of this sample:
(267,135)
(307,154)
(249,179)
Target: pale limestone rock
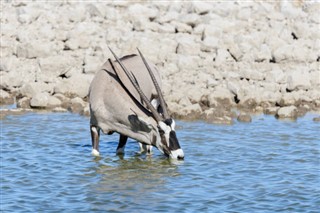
(31,89)
(92,64)
(194,108)
(187,46)
(53,102)
(190,19)
(276,75)
(181,27)
(298,79)
(77,84)
(138,11)
(221,95)
(287,112)
(201,8)
(168,17)
(209,44)
(223,56)
(5,97)
(288,99)
(211,30)
(270,110)
(166,28)
(23,103)
(77,105)
(40,100)
(8,63)
(184,101)
(55,66)
(77,13)
(35,49)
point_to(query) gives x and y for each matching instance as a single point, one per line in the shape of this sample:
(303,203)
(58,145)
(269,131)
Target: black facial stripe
(173,141)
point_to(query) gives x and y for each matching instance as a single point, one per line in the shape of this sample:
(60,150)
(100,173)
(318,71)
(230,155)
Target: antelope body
(125,97)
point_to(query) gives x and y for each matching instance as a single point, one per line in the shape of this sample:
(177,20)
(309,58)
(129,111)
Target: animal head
(169,142)
(166,141)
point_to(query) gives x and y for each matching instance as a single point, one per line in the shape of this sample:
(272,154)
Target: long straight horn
(154,112)
(156,85)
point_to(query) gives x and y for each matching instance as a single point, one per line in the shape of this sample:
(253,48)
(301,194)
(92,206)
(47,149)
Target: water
(264,166)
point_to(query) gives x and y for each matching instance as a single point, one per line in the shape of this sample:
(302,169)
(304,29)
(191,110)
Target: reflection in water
(129,181)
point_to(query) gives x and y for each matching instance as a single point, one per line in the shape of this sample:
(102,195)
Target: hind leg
(122,143)
(95,134)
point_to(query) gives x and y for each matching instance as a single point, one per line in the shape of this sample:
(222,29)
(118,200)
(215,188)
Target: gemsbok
(125,97)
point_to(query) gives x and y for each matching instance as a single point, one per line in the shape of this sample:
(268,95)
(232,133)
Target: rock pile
(256,56)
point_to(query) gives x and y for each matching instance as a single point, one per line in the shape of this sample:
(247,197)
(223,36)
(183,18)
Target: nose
(177,154)
(180,157)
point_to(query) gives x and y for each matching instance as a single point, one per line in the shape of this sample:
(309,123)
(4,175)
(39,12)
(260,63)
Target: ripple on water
(264,166)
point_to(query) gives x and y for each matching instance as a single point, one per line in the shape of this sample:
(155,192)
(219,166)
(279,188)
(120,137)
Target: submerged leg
(145,148)
(122,144)
(95,134)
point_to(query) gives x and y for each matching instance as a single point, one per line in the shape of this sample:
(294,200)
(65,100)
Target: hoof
(120,151)
(95,153)
(149,150)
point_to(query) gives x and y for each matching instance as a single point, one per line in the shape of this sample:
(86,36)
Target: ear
(138,124)
(155,103)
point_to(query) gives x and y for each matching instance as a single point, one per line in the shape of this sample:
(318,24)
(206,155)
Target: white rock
(40,100)
(53,102)
(276,75)
(187,46)
(210,44)
(35,49)
(190,19)
(77,84)
(92,64)
(221,95)
(201,8)
(54,66)
(168,17)
(298,79)
(4,94)
(223,56)
(184,102)
(287,112)
(77,13)
(33,88)
(194,108)
(136,11)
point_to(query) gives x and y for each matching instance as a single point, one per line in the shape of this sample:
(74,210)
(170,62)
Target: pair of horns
(154,112)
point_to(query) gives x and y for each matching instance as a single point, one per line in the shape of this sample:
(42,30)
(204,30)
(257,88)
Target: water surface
(264,166)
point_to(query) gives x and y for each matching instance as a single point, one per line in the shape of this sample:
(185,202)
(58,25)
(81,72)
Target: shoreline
(215,117)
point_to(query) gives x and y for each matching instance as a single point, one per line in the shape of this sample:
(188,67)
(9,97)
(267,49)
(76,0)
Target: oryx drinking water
(125,97)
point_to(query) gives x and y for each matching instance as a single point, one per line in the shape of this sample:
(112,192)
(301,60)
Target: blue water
(264,166)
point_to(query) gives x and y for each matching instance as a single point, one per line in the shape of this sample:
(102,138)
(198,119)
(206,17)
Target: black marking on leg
(95,134)
(122,141)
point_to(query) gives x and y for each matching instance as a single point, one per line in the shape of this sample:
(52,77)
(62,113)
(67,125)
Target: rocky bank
(214,57)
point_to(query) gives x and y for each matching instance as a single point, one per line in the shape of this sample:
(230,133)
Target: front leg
(144,148)
(95,134)
(122,143)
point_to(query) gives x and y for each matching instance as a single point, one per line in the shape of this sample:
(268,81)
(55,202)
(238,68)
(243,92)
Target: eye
(161,131)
